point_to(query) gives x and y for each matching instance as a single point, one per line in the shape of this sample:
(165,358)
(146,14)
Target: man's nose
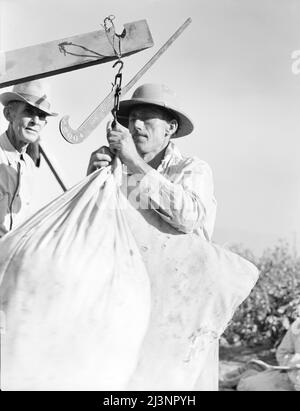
(138,124)
(35,119)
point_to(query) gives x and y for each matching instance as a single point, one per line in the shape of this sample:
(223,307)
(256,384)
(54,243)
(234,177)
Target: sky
(232,70)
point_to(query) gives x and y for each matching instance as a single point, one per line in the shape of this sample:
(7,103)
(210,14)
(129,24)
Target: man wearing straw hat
(180,189)
(26,109)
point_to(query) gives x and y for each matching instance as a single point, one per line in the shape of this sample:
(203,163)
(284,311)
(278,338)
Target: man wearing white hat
(26,109)
(180,189)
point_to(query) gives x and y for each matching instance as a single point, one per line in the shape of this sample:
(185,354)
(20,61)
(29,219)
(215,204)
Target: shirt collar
(172,156)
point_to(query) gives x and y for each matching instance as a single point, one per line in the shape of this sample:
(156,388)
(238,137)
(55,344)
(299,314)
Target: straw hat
(32,92)
(161,96)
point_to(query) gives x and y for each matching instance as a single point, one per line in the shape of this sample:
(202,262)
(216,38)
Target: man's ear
(7,114)
(172,127)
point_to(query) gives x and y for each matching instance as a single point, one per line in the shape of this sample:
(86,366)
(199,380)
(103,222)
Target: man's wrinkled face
(150,128)
(26,122)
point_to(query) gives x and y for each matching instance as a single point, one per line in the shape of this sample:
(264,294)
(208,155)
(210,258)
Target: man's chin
(141,147)
(29,138)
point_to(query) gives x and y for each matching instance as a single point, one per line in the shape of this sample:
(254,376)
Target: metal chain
(109,27)
(118,87)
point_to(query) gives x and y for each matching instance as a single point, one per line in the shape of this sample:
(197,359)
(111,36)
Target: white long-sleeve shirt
(180,191)
(16,181)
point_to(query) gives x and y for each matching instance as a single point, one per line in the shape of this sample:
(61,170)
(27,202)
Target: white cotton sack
(75,295)
(196,286)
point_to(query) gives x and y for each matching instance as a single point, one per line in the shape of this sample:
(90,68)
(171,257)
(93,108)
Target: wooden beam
(71,53)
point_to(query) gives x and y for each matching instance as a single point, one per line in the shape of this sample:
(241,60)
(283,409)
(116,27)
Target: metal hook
(121,67)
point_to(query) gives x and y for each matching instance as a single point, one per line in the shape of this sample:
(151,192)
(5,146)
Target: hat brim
(9,96)
(185,124)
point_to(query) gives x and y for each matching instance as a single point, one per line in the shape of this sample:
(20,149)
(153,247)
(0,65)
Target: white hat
(157,95)
(32,92)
